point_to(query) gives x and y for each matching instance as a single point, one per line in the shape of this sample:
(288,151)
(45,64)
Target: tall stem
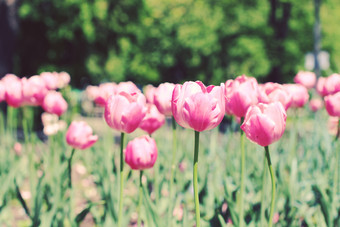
(121,186)
(243,160)
(140,197)
(172,171)
(70,169)
(263,193)
(270,221)
(197,203)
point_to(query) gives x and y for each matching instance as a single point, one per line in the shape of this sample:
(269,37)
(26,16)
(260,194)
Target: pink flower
(332,104)
(332,84)
(149,92)
(276,93)
(127,86)
(64,79)
(13,86)
(315,104)
(153,119)
(124,111)
(162,98)
(54,103)
(241,93)
(92,92)
(34,90)
(198,107)
(299,94)
(80,136)
(307,79)
(320,86)
(104,91)
(141,153)
(51,80)
(265,123)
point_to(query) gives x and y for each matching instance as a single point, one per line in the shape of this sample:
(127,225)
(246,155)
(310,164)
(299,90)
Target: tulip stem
(172,170)
(197,203)
(70,169)
(121,186)
(263,189)
(243,160)
(270,221)
(140,198)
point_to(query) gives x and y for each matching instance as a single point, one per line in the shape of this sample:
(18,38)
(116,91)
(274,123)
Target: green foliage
(153,41)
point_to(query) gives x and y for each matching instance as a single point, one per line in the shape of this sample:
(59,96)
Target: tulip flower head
(241,93)
(13,86)
(105,90)
(332,104)
(149,92)
(128,87)
(306,79)
(276,93)
(54,103)
(162,98)
(51,80)
(315,104)
(34,90)
(141,153)
(265,123)
(198,107)
(80,136)
(332,84)
(125,111)
(320,86)
(299,94)
(153,119)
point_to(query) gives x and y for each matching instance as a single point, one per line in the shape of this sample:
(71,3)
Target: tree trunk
(8,30)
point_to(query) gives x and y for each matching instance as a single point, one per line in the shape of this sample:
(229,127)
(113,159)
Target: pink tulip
(13,86)
(198,107)
(64,79)
(153,119)
(265,123)
(92,92)
(149,92)
(315,104)
(332,104)
(162,98)
(141,153)
(299,94)
(320,86)
(51,80)
(105,90)
(332,84)
(306,79)
(275,93)
(80,136)
(241,93)
(34,90)
(124,112)
(54,103)
(128,87)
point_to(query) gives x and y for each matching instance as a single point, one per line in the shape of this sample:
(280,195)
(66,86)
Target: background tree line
(152,41)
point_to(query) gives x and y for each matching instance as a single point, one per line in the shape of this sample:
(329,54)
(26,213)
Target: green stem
(140,197)
(172,171)
(270,221)
(70,169)
(335,184)
(243,160)
(263,189)
(197,203)
(121,186)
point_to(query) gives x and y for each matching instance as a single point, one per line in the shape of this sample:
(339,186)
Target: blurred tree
(8,29)
(170,40)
